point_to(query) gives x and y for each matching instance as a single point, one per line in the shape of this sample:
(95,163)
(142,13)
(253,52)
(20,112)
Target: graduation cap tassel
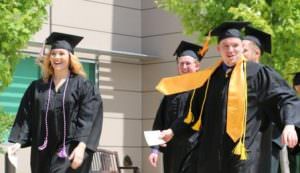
(244,150)
(240,149)
(205,45)
(243,154)
(190,117)
(42,52)
(197,125)
(40,58)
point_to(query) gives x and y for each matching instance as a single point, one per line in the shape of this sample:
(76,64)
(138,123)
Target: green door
(26,71)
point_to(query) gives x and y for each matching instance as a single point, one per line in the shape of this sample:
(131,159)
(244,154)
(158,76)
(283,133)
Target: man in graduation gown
(188,57)
(294,156)
(296,82)
(227,104)
(62,125)
(255,43)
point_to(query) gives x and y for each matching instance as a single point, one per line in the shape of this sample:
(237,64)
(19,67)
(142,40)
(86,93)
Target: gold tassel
(238,148)
(205,45)
(243,149)
(243,154)
(196,126)
(189,117)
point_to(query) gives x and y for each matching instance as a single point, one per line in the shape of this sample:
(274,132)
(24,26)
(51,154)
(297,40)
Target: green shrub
(6,121)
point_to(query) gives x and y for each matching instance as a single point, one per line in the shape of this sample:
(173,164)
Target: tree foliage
(6,122)
(279,18)
(20,19)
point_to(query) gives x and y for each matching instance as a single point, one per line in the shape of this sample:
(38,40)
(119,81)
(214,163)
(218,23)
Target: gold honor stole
(236,104)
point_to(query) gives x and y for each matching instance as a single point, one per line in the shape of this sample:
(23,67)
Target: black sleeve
(90,115)
(178,126)
(94,137)
(277,94)
(161,112)
(20,132)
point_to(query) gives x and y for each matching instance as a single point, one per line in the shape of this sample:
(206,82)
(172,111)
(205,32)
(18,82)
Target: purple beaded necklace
(62,153)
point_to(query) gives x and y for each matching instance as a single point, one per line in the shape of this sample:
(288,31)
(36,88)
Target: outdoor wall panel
(162,45)
(146,4)
(151,102)
(103,41)
(120,104)
(132,4)
(121,132)
(120,76)
(154,72)
(96,16)
(42,34)
(152,26)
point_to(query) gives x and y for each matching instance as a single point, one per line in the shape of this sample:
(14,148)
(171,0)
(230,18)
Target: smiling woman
(60,115)
(59,59)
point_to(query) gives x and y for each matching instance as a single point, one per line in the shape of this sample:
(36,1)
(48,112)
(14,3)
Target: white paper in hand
(153,138)
(12,157)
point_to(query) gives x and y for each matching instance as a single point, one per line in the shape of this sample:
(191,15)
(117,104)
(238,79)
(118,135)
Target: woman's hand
(77,155)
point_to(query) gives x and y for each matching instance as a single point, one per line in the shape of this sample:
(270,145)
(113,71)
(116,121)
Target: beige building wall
(119,29)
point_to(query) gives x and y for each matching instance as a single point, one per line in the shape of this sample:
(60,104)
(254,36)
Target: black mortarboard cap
(229,29)
(63,41)
(188,49)
(296,79)
(260,38)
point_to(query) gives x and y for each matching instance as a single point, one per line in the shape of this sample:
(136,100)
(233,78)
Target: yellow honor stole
(236,104)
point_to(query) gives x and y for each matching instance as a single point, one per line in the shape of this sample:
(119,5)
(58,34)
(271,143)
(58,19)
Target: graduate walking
(60,115)
(227,106)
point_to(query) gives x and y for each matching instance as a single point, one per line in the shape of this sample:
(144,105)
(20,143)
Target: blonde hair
(74,66)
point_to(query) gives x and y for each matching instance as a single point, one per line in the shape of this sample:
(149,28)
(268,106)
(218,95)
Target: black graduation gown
(170,109)
(266,90)
(270,145)
(83,106)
